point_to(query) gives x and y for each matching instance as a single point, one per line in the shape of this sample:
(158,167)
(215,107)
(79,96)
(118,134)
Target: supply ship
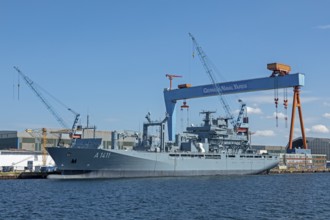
(206,150)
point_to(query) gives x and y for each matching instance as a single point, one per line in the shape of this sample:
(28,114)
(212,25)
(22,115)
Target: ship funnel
(114,140)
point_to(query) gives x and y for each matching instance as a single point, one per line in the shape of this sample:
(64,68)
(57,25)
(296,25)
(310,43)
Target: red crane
(170,77)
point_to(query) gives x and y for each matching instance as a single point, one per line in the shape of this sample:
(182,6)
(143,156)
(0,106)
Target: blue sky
(108,59)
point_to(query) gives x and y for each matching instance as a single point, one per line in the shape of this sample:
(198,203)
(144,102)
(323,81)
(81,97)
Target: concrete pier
(9,175)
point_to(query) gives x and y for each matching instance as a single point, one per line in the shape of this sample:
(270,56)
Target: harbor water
(279,196)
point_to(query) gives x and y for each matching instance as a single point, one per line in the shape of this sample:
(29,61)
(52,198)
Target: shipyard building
(317,157)
(23,150)
(32,141)
(316,145)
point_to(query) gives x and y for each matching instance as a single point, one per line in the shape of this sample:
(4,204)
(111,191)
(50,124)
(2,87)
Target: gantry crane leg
(297,104)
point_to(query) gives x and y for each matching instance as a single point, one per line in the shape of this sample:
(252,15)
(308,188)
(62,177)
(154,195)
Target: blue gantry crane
(250,85)
(280,78)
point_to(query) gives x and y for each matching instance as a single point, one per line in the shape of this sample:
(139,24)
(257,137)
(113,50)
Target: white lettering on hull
(102,155)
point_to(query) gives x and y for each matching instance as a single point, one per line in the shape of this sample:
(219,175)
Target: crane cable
(53,97)
(18,86)
(276,100)
(184,106)
(35,87)
(181,120)
(45,91)
(285,103)
(207,64)
(187,117)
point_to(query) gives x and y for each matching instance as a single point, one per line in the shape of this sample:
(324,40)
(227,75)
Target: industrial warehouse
(21,151)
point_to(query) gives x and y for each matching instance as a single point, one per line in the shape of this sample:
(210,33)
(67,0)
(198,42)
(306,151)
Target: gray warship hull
(77,163)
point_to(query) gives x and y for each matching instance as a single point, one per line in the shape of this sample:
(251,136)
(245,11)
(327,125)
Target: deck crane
(49,107)
(76,119)
(205,61)
(240,114)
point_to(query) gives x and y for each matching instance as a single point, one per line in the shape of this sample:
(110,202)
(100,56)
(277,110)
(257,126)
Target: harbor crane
(49,107)
(205,61)
(278,80)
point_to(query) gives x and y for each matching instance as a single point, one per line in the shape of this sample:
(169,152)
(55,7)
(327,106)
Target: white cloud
(326,115)
(280,115)
(320,129)
(264,133)
(327,26)
(251,110)
(326,104)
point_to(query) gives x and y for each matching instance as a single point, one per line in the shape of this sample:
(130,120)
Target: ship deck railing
(217,155)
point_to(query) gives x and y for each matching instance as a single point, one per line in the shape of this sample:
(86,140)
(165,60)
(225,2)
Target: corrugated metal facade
(33,142)
(317,145)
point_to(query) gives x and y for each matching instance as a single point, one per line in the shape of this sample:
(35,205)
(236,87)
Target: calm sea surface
(287,196)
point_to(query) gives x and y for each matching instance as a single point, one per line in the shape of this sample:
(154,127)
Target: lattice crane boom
(204,59)
(238,121)
(77,115)
(49,107)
